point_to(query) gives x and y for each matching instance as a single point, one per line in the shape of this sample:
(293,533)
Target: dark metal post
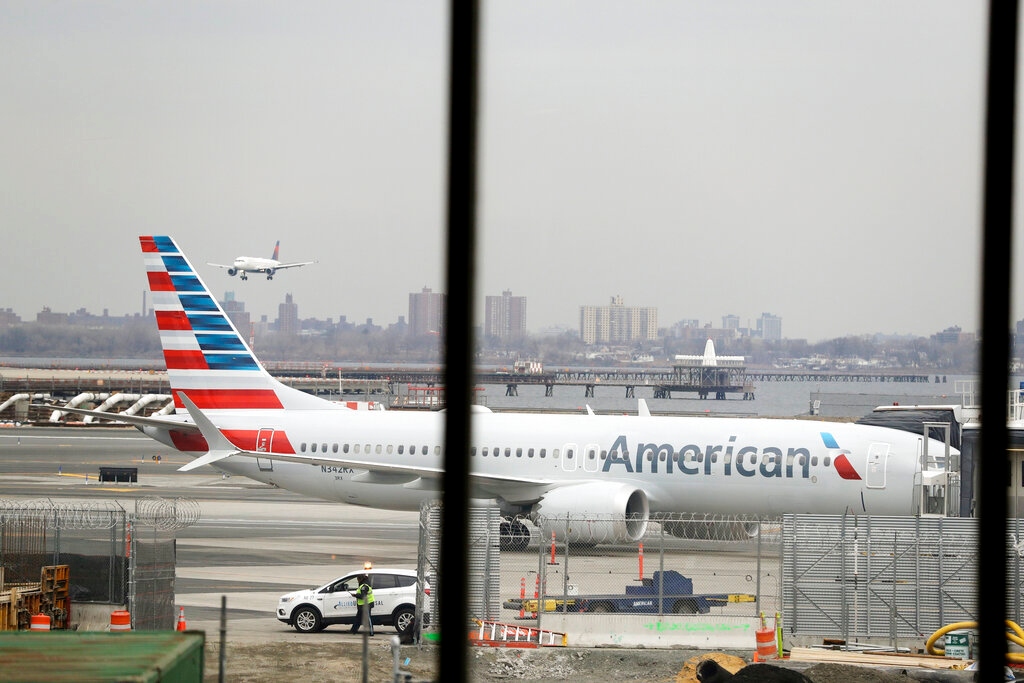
(223,657)
(461,281)
(995,328)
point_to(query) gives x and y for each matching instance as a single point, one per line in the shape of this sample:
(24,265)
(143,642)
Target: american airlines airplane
(232,414)
(255,264)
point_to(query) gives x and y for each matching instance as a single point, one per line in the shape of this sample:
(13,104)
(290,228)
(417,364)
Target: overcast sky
(818,161)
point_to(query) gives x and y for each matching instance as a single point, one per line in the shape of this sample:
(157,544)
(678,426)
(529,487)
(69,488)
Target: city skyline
(819,161)
(766,325)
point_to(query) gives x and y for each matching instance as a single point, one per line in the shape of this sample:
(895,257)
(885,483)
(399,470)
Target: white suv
(314,609)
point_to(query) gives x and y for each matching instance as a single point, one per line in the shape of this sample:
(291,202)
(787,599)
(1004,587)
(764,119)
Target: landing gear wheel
(514,535)
(307,620)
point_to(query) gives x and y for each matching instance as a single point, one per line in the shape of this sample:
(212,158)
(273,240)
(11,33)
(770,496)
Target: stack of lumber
(925,661)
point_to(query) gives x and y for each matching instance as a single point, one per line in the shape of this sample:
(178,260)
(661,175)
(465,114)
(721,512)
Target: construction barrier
(766,646)
(40,622)
(120,621)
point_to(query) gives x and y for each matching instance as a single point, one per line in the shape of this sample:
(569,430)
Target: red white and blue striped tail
(206,357)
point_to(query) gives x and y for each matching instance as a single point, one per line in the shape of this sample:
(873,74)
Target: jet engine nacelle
(270,273)
(591,513)
(232,272)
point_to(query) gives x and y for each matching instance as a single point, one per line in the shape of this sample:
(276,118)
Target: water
(771,399)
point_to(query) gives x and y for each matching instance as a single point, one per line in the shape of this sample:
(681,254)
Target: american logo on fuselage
(726,459)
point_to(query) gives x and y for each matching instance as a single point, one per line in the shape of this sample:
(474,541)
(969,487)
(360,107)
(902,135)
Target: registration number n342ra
(334,469)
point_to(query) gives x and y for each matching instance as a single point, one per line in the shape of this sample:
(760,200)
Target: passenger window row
(497,451)
(365,449)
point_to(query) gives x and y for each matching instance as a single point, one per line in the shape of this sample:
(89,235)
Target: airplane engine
(232,272)
(270,273)
(592,513)
(712,530)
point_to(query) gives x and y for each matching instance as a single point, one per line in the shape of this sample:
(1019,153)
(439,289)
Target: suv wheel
(307,620)
(404,619)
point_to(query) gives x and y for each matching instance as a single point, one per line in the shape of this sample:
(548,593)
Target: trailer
(666,592)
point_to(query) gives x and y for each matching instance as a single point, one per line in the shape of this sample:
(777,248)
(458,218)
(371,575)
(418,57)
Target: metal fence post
(661,568)
(565,575)
(757,583)
(844,609)
(56,538)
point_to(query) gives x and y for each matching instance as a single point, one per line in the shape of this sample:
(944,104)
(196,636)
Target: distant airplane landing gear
(242,275)
(513,535)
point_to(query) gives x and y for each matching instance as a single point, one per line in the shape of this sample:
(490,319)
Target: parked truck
(666,592)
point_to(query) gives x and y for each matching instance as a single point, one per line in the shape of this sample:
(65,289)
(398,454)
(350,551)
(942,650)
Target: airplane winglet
(219,446)
(642,409)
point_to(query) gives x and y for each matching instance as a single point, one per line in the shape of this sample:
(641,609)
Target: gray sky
(818,161)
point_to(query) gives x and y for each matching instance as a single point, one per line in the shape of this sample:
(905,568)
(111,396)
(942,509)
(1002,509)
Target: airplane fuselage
(719,465)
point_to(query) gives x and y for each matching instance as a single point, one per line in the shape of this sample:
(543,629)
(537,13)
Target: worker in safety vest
(364,603)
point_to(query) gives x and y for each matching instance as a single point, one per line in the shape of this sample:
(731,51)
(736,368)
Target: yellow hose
(1017,637)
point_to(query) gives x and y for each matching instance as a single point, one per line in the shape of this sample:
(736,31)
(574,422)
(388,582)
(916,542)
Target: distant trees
(137,339)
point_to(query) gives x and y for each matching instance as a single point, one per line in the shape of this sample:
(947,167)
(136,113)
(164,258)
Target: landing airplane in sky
(627,469)
(255,264)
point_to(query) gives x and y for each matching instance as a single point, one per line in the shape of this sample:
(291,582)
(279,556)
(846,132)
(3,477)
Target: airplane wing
(219,265)
(294,265)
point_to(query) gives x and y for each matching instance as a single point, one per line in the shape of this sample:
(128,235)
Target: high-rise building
(730,322)
(288,316)
(617,323)
(237,313)
(427,312)
(505,316)
(770,326)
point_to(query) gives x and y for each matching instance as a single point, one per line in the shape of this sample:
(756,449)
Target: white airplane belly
(338,484)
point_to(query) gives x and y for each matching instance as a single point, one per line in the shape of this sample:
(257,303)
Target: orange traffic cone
(181,619)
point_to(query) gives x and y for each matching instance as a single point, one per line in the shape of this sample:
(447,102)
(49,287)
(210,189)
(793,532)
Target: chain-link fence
(674,564)
(153,558)
(890,577)
(87,536)
(115,556)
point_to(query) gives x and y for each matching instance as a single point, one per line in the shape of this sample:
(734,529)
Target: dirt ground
(266,663)
(316,663)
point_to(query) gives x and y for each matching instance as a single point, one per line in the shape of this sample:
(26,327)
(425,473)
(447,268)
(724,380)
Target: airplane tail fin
(277,251)
(204,353)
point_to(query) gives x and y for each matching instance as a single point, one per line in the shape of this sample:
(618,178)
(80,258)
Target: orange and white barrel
(40,622)
(120,620)
(766,648)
